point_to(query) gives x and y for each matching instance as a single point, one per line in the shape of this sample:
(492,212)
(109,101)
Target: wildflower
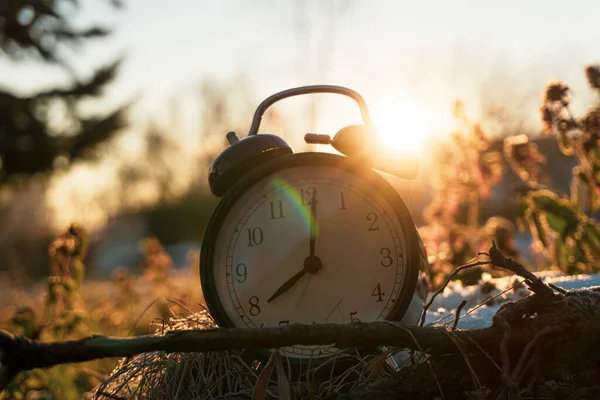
(524,157)
(591,121)
(592,73)
(566,125)
(547,118)
(557,91)
(590,142)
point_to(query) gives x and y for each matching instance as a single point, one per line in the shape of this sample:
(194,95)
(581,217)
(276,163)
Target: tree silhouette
(30,140)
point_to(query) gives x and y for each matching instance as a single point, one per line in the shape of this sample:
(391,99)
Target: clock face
(266,272)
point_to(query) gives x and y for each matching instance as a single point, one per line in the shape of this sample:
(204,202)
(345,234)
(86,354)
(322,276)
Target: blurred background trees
(46,130)
(127,170)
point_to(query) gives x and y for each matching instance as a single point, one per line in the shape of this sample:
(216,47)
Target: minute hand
(312,263)
(313,223)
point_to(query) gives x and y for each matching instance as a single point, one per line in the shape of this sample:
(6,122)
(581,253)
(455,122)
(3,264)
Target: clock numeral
(262,325)
(372,217)
(378,293)
(308,196)
(284,323)
(276,211)
(255,236)
(242,272)
(342,202)
(387,257)
(353,318)
(254,307)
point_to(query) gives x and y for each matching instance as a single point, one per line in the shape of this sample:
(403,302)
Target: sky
(430,52)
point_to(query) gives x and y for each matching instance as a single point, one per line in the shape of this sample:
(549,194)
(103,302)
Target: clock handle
(269,101)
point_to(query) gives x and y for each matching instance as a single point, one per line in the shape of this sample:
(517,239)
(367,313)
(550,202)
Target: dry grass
(109,308)
(220,374)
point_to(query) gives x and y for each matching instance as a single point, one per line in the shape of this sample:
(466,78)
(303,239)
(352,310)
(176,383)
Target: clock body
(372,264)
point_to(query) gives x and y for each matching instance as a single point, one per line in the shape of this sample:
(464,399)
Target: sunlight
(402,124)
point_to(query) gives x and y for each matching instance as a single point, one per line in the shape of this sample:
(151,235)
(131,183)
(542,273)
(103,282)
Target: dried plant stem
(448,279)
(535,284)
(497,259)
(458,310)
(557,288)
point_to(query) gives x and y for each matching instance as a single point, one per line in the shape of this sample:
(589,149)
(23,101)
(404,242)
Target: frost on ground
(484,299)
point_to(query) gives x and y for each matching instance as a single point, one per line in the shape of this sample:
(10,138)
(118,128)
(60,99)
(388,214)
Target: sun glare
(402,124)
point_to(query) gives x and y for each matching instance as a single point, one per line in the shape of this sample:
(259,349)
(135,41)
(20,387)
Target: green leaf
(561,254)
(536,228)
(556,223)
(562,209)
(591,237)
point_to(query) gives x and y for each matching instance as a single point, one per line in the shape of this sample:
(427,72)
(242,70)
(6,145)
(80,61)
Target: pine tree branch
(92,87)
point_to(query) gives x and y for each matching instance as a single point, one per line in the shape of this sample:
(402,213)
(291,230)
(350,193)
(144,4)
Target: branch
(535,284)
(441,289)
(497,259)
(20,354)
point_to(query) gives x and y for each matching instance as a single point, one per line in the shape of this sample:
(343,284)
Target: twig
(535,284)
(483,303)
(493,297)
(557,288)
(458,310)
(499,260)
(448,279)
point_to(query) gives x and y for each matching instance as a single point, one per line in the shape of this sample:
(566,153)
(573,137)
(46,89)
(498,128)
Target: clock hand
(287,285)
(313,223)
(312,263)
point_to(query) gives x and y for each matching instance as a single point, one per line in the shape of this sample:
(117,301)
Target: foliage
(466,172)
(64,317)
(468,168)
(563,226)
(39,28)
(71,307)
(47,130)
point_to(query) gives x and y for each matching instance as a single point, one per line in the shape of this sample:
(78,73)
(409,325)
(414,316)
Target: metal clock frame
(410,276)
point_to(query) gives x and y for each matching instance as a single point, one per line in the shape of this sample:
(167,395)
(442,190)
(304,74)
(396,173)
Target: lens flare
(402,125)
(294,197)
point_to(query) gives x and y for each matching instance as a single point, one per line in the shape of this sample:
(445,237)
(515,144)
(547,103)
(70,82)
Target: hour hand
(287,285)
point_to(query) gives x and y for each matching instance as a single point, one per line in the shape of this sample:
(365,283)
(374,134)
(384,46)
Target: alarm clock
(311,237)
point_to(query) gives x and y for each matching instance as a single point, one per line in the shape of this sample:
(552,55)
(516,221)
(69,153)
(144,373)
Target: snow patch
(493,293)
